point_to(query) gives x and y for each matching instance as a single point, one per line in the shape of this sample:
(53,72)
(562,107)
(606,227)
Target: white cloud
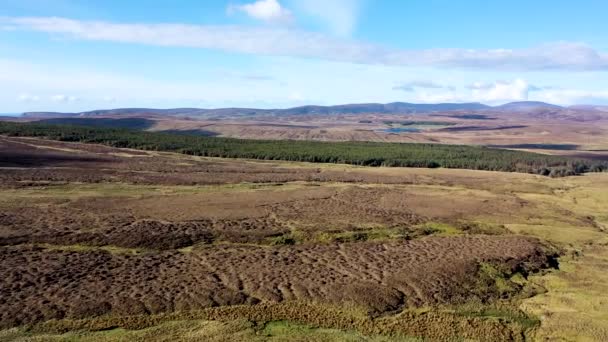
(295,96)
(489,93)
(500,91)
(340,16)
(442,97)
(28,98)
(63,98)
(572,96)
(295,43)
(479,85)
(265,10)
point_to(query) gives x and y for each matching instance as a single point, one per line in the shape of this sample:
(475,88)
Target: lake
(401,130)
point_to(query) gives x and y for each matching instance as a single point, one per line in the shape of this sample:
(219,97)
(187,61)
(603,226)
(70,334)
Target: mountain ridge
(354,108)
(527,105)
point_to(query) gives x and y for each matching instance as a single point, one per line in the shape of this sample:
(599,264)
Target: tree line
(355,153)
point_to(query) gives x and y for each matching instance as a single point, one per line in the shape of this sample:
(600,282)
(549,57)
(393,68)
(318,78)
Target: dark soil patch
(40,284)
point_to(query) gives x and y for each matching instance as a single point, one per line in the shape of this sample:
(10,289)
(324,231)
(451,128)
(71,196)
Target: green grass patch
(79,190)
(283,240)
(498,312)
(362,234)
(202,330)
(290,331)
(439,229)
(370,232)
(490,275)
(86,248)
(287,321)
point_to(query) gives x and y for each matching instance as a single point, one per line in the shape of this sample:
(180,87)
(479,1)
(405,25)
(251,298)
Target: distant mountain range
(526,106)
(591,107)
(388,108)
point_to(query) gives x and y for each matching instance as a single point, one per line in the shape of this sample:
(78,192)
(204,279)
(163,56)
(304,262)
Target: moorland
(355,153)
(109,235)
(528,125)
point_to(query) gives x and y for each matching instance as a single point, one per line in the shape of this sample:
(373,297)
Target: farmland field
(102,243)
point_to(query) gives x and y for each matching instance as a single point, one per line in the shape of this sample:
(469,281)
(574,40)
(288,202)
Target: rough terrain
(97,238)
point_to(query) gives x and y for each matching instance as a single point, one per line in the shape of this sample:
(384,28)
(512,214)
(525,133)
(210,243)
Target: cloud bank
(516,90)
(296,43)
(491,93)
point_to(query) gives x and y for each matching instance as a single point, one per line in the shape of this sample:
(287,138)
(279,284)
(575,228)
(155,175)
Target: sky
(76,55)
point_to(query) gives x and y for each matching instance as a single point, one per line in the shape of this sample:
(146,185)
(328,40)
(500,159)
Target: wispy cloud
(63,98)
(258,78)
(265,10)
(28,98)
(541,88)
(297,43)
(413,85)
(340,16)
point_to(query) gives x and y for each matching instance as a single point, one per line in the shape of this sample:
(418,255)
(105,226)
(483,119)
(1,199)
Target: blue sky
(70,55)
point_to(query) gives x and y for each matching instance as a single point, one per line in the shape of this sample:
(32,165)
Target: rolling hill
(389,108)
(526,106)
(358,108)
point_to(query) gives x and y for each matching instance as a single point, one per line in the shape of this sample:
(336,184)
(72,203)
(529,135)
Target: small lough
(401,130)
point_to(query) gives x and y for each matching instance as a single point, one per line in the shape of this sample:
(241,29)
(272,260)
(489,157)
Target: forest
(355,153)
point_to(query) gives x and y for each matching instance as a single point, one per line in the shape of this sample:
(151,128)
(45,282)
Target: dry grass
(575,304)
(574,308)
(293,321)
(199,330)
